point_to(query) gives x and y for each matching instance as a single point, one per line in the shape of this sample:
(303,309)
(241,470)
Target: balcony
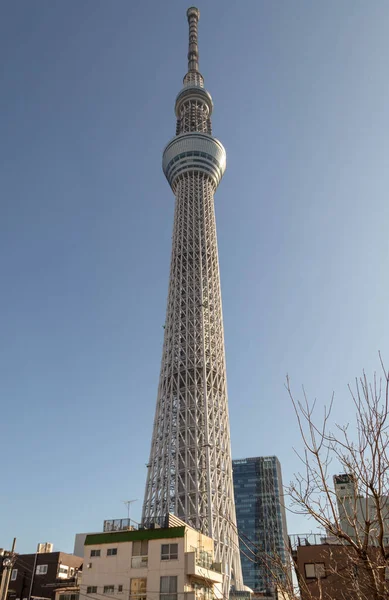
(139,562)
(212,572)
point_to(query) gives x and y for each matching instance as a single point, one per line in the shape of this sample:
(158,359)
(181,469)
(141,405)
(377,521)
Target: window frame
(112,551)
(69,596)
(140,560)
(169,555)
(91,589)
(171,594)
(141,543)
(65,570)
(141,595)
(95,553)
(38,570)
(14,575)
(109,589)
(316,567)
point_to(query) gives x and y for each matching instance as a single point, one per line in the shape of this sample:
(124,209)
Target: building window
(91,589)
(63,572)
(95,552)
(108,589)
(140,550)
(112,551)
(315,570)
(120,589)
(138,587)
(41,570)
(169,551)
(168,587)
(63,569)
(14,574)
(69,597)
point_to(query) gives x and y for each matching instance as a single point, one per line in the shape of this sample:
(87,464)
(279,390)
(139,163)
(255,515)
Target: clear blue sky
(301,92)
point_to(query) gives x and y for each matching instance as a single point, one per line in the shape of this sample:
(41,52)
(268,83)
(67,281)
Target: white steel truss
(190,468)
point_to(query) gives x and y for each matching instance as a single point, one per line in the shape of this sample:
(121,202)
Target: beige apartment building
(174,562)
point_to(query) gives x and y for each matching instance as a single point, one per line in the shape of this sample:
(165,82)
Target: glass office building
(261,520)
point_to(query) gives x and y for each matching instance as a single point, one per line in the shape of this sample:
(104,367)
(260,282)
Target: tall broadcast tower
(190,469)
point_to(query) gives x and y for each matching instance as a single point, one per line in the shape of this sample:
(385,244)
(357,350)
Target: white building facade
(356,510)
(169,563)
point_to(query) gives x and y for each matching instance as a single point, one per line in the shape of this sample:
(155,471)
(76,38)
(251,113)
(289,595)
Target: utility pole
(32,574)
(8,562)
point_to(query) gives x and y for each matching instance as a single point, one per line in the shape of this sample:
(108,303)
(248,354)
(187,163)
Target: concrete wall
(117,570)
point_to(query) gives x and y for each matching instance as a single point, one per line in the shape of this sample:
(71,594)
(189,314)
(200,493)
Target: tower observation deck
(190,468)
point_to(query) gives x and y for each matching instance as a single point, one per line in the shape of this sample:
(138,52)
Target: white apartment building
(174,562)
(355,509)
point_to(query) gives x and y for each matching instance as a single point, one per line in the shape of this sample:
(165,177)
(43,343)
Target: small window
(169,551)
(95,552)
(41,570)
(315,570)
(112,551)
(91,589)
(108,589)
(310,570)
(89,565)
(120,589)
(168,587)
(14,574)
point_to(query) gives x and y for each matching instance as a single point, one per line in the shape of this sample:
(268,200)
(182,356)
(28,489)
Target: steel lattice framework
(190,469)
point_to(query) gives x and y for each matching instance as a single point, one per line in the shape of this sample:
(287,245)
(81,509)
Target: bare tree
(353,559)
(356,521)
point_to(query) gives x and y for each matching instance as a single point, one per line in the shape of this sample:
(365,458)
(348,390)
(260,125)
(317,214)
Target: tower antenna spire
(193,15)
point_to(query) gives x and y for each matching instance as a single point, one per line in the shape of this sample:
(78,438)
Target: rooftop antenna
(128,504)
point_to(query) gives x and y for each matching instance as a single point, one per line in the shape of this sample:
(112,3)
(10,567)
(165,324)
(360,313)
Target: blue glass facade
(261,519)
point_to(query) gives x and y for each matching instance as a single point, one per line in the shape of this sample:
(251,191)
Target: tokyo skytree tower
(190,469)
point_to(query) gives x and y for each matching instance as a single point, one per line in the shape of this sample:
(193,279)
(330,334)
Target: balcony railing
(307,539)
(205,570)
(204,559)
(139,562)
(119,525)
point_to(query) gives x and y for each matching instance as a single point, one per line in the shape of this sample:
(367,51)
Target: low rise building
(162,562)
(326,570)
(37,576)
(67,589)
